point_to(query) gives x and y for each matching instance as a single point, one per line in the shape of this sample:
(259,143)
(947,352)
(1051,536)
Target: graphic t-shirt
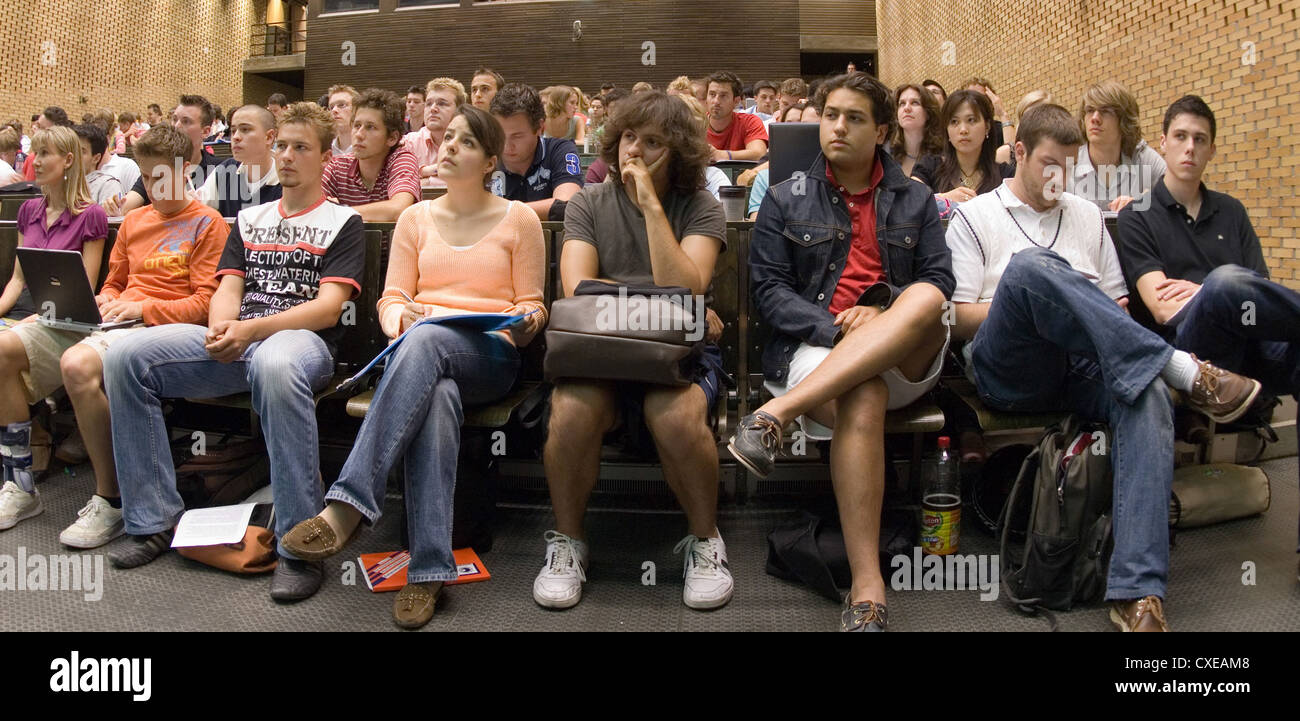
(285,259)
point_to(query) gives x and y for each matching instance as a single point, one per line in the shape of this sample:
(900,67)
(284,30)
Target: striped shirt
(399,174)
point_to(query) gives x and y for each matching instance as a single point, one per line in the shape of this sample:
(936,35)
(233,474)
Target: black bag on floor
(224,475)
(809,549)
(1067,482)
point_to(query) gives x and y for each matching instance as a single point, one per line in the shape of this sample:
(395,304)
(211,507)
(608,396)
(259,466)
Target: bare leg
(888,340)
(858,475)
(581,412)
(678,420)
(83,378)
(13,361)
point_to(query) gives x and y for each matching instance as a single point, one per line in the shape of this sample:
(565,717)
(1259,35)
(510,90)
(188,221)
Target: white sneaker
(97,523)
(559,584)
(18,505)
(708,577)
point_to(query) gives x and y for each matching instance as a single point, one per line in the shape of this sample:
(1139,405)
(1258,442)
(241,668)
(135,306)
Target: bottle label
(940,525)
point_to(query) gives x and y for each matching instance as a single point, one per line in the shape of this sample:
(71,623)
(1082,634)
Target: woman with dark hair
(968,165)
(919,130)
(465,252)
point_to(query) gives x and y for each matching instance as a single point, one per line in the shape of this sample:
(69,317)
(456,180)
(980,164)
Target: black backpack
(1067,482)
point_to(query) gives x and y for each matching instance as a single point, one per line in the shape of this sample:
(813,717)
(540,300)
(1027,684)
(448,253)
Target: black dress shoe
(865,617)
(295,580)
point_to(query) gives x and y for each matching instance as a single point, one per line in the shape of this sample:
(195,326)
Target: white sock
(1181,371)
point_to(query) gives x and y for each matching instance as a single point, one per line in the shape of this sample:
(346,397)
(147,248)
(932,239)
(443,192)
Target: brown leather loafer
(312,540)
(414,604)
(1141,615)
(1222,395)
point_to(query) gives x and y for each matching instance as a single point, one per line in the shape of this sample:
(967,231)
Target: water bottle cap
(944,441)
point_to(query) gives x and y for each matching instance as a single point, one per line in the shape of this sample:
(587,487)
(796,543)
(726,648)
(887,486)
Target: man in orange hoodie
(162,270)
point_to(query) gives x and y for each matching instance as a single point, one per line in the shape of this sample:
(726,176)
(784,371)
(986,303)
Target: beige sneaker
(18,505)
(97,523)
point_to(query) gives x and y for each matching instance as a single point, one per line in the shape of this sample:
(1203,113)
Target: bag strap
(1027,469)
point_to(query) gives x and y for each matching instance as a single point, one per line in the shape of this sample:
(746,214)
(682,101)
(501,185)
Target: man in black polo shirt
(192,116)
(1198,267)
(544,173)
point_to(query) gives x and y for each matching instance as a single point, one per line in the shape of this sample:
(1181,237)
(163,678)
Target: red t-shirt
(863,267)
(744,128)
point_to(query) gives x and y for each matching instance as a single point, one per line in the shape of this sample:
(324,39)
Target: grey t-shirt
(605,217)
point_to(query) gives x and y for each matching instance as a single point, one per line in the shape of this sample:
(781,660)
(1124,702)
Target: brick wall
(121,54)
(1160,49)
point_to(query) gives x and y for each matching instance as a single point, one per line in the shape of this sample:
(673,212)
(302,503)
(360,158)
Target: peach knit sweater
(504,272)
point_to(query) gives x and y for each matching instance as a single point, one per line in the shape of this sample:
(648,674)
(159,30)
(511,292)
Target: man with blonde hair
(1115,165)
(341,99)
(441,98)
(287,269)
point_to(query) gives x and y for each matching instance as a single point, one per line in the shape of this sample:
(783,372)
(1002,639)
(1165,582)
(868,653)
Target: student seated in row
(63,218)
(849,267)
(248,177)
(275,321)
(544,173)
(1041,294)
(1199,270)
(650,223)
(378,177)
(466,252)
(162,270)
(193,116)
(94,145)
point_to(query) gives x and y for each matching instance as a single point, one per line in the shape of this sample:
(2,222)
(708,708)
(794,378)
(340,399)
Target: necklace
(969,180)
(1059,218)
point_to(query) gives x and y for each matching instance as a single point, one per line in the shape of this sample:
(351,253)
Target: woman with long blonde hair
(63,218)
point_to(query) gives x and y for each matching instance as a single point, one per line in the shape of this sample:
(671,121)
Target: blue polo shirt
(555,162)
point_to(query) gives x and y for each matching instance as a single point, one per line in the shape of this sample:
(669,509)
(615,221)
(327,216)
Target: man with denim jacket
(848,265)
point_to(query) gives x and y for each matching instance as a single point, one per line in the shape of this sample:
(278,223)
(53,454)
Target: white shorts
(902,392)
(45,347)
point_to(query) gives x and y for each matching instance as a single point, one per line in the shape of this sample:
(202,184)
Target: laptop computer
(58,284)
(793,147)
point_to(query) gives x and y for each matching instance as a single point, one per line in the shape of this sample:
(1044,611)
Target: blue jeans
(169,361)
(1260,340)
(1054,341)
(416,415)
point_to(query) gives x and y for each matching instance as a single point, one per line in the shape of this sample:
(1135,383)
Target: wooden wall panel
(837,17)
(531,42)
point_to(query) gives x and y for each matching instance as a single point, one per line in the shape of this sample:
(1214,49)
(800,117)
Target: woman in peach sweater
(467,251)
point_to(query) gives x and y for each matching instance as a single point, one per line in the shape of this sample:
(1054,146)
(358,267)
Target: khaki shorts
(902,392)
(45,347)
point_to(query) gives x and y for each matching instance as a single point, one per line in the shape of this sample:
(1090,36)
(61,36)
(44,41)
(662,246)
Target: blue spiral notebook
(482,322)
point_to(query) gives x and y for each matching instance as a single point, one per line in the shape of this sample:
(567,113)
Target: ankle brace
(16,448)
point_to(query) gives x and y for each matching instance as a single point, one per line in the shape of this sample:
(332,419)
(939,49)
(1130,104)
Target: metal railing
(275,39)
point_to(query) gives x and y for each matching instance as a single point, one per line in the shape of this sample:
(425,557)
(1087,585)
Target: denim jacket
(801,242)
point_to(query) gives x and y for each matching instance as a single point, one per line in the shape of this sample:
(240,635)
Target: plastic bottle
(941,501)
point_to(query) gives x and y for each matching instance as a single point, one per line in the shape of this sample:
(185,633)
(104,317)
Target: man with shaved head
(248,178)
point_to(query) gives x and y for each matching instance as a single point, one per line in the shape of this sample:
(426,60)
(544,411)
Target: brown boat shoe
(415,603)
(1222,395)
(1140,614)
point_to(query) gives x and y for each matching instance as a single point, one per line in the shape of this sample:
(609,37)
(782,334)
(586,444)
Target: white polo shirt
(983,234)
